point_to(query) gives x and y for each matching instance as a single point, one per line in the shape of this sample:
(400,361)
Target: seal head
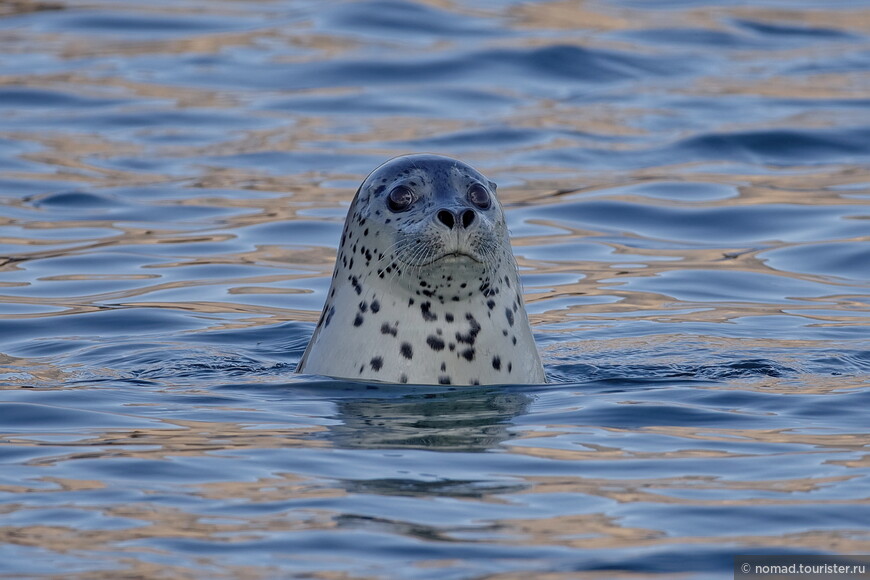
(425,288)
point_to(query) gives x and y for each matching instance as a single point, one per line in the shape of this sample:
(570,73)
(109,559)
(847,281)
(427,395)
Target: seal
(425,288)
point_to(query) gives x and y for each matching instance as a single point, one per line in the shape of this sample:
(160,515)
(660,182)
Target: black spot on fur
(425,310)
(376,306)
(510,367)
(403,378)
(387,329)
(435,342)
(377,362)
(496,363)
(448,317)
(510,316)
(329,316)
(472,333)
(358,320)
(356,285)
(363,306)
(468,354)
(444,380)
(406,350)
(490,303)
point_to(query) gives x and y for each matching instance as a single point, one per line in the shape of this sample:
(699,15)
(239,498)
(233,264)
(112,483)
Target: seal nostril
(467,218)
(446,218)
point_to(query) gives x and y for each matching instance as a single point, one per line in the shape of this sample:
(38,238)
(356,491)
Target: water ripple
(686,186)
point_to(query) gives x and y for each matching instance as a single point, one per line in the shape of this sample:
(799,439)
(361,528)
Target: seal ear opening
(492,185)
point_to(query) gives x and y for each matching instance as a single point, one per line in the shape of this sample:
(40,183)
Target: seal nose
(450,219)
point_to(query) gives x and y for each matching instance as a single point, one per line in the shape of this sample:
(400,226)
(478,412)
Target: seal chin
(456,257)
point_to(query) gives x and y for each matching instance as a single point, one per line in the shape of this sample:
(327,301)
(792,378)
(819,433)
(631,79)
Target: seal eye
(479,196)
(400,198)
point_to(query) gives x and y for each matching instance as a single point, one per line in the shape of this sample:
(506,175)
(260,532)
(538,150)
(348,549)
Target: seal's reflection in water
(466,419)
(463,420)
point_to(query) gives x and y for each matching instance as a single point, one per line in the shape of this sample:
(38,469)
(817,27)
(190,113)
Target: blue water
(687,185)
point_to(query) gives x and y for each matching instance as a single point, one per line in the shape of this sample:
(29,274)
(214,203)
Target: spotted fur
(425,293)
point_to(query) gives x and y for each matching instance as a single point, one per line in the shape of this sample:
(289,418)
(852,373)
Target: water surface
(687,187)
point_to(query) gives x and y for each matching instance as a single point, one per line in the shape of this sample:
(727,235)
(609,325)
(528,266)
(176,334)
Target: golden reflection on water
(188,439)
(597,278)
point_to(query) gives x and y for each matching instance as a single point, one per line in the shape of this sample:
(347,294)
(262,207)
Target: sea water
(686,184)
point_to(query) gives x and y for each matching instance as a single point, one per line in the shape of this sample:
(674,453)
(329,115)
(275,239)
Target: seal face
(425,288)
